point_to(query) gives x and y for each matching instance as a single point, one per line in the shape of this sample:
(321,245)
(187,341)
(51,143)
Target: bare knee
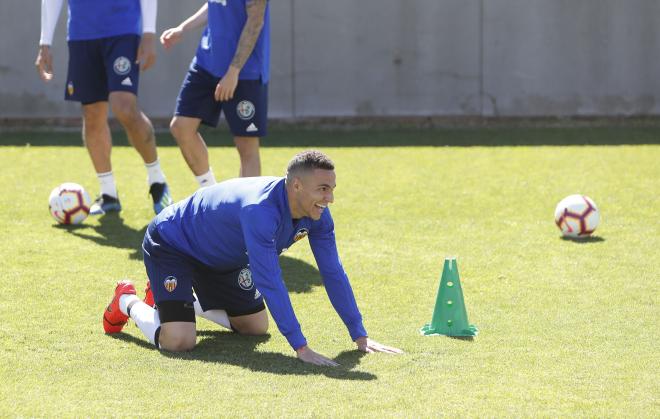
(252,324)
(124,108)
(177,339)
(95,116)
(248,147)
(184,129)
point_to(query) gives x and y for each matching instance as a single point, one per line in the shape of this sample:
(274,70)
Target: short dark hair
(306,161)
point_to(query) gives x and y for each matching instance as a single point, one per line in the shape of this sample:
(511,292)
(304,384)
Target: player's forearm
(149,10)
(256,10)
(199,19)
(50,13)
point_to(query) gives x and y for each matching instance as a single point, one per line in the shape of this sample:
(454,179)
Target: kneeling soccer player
(223,242)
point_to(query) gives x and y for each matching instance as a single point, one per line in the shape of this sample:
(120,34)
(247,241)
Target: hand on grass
(305,354)
(146,55)
(367,345)
(44,63)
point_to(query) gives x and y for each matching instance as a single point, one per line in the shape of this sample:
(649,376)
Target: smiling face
(311,192)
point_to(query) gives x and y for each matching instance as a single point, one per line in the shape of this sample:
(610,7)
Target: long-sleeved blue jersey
(248,220)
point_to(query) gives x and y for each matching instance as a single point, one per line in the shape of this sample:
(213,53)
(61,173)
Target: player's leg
(194,105)
(231,300)
(248,152)
(171,325)
(247,116)
(184,129)
(122,83)
(86,83)
(251,324)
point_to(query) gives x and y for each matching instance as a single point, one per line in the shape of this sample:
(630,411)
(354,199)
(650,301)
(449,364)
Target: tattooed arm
(256,10)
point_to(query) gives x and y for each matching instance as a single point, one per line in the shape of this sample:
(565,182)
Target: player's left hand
(146,55)
(367,345)
(225,89)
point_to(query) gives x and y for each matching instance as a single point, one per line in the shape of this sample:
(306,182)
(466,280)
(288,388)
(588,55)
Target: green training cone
(449,316)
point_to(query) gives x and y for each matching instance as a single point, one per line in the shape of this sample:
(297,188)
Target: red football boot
(148,295)
(113,319)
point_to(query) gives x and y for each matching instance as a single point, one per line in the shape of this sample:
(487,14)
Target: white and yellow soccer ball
(69,203)
(577,216)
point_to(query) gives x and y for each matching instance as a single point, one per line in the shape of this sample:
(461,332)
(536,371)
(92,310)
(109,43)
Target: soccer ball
(69,203)
(577,216)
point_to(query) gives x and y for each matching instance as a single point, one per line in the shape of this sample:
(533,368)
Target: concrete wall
(387,57)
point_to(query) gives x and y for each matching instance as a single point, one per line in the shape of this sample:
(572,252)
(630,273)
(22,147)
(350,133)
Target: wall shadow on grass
(233,349)
(383,137)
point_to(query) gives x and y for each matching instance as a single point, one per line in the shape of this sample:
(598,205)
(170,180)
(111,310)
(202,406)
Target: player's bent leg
(178,332)
(138,127)
(96,135)
(251,324)
(184,129)
(177,336)
(248,151)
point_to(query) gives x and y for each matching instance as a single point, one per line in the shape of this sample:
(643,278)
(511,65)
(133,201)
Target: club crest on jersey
(122,66)
(69,88)
(245,109)
(170,283)
(300,234)
(245,279)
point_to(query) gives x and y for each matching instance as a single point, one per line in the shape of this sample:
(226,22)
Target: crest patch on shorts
(69,88)
(245,279)
(122,65)
(245,109)
(170,283)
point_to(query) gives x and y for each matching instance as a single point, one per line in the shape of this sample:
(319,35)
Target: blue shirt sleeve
(335,280)
(260,225)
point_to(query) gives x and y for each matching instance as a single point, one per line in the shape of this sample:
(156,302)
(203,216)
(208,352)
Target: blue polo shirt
(248,220)
(217,47)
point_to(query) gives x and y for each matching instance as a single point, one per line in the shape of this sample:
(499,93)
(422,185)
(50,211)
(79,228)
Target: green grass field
(566,328)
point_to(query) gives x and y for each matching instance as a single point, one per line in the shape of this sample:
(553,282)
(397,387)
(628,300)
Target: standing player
(110,41)
(229,74)
(224,242)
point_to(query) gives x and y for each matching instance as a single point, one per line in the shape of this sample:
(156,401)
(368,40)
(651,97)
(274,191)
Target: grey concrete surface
(393,58)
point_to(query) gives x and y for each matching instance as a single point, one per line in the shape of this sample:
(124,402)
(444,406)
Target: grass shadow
(113,232)
(233,349)
(299,276)
(584,240)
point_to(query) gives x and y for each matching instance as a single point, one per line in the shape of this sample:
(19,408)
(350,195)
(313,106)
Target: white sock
(154,173)
(207,179)
(125,300)
(107,183)
(146,318)
(216,316)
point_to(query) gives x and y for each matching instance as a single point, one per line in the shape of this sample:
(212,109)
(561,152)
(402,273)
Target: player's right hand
(171,37)
(305,354)
(44,63)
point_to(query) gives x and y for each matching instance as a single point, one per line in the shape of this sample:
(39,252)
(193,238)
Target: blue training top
(217,47)
(248,220)
(93,19)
